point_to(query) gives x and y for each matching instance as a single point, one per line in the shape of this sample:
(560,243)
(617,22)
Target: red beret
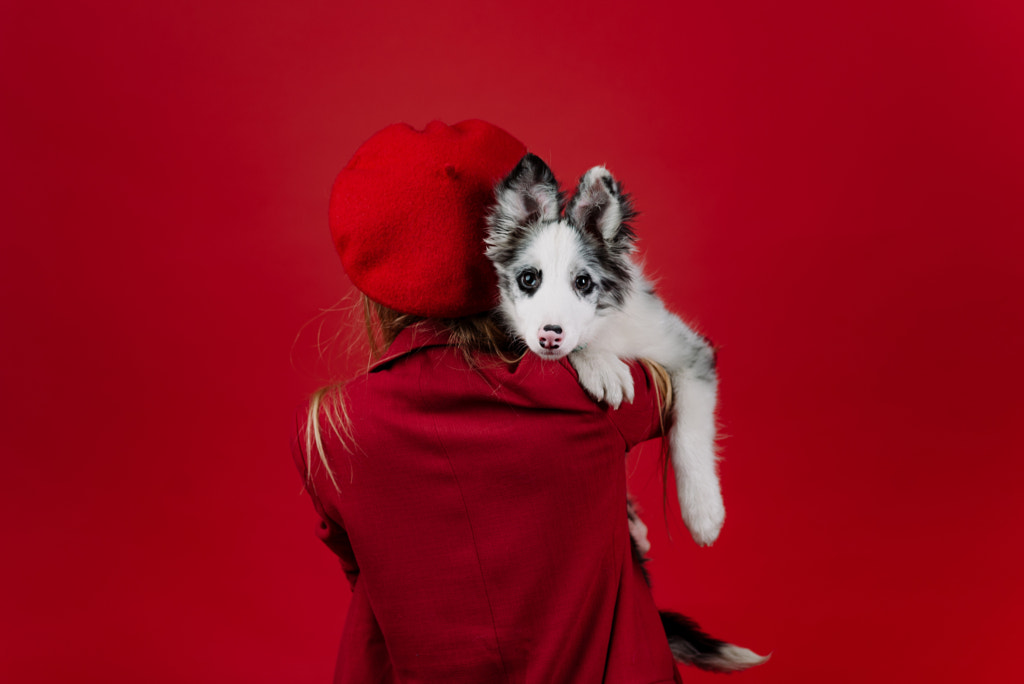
(408,214)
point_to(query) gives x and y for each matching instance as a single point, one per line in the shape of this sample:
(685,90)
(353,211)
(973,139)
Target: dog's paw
(703,512)
(605,378)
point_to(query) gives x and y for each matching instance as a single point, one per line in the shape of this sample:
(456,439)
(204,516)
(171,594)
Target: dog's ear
(528,194)
(601,208)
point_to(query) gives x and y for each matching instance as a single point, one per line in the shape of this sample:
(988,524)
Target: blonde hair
(471,335)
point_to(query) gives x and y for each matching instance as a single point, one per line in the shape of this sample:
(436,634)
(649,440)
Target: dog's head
(559,273)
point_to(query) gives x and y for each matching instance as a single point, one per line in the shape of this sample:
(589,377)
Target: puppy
(569,286)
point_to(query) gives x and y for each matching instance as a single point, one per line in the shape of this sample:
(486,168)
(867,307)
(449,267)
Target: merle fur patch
(529,199)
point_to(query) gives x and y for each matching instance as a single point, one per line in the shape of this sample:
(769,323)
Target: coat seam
(472,534)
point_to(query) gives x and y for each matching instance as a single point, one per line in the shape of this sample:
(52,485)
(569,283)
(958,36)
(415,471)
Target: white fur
(526,232)
(645,329)
(555,253)
(733,658)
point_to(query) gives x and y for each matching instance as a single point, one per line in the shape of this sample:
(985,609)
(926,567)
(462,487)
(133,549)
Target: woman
(475,496)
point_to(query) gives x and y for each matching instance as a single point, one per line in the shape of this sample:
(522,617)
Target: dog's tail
(691,646)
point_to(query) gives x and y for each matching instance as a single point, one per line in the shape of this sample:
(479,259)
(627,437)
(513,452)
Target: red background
(831,191)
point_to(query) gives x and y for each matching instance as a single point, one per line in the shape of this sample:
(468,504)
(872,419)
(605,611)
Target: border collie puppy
(569,286)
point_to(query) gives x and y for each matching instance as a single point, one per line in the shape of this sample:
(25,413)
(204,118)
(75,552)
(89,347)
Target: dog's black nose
(557,329)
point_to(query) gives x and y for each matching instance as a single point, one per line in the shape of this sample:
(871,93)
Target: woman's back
(485,504)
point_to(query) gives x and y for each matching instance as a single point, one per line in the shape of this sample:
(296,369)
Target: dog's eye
(529,280)
(583,283)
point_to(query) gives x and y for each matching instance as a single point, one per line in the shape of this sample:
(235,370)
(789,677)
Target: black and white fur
(569,286)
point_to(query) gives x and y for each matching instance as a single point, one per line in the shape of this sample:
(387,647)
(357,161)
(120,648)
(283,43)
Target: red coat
(482,524)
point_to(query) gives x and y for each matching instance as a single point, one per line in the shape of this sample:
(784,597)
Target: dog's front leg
(690,361)
(603,375)
(693,456)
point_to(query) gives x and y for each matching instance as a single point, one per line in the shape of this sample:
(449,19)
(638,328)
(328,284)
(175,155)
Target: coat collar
(414,337)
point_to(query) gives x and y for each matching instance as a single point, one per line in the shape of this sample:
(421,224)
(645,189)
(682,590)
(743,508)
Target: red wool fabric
(482,525)
(407,216)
